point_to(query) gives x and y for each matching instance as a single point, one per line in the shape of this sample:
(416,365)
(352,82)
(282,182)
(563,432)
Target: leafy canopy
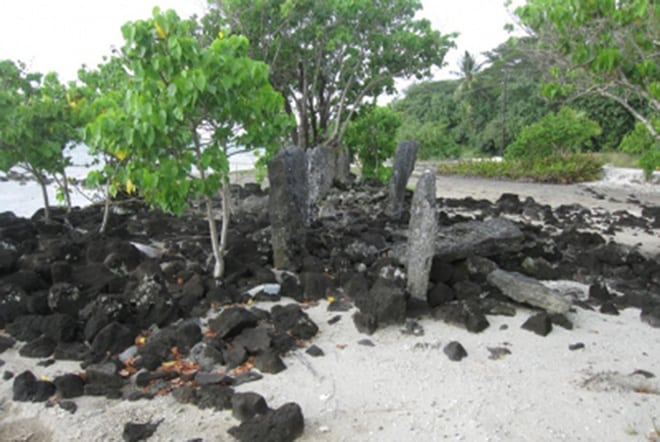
(555,134)
(185,104)
(372,136)
(328,57)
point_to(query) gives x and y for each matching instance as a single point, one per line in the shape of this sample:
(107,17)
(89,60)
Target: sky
(61,35)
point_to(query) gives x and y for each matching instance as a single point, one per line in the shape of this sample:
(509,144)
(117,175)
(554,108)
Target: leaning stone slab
(483,238)
(404,164)
(287,205)
(528,290)
(423,226)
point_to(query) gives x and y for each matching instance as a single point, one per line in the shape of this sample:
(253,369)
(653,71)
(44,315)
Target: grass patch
(565,169)
(619,159)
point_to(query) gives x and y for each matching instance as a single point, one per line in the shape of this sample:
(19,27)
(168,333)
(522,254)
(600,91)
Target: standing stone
(404,164)
(421,236)
(288,204)
(342,160)
(321,165)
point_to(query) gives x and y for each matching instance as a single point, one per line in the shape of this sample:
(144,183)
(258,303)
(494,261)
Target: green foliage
(372,137)
(559,169)
(184,107)
(604,47)
(555,134)
(36,124)
(639,141)
(329,57)
(434,141)
(187,102)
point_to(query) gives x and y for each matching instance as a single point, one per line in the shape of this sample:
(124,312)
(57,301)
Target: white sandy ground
(405,388)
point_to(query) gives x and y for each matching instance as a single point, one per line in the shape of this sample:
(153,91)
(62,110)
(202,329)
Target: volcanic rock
(539,323)
(134,432)
(269,362)
(455,351)
(527,290)
(113,339)
(69,386)
(423,226)
(284,424)
(365,323)
(6,342)
(288,206)
(41,347)
(232,321)
(483,238)
(291,319)
(245,406)
(404,164)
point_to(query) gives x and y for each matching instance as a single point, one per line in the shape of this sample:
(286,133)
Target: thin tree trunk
(219,266)
(65,189)
(226,213)
(44,192)
(106,209)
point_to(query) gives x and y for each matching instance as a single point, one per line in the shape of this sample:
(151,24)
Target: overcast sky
(61,35)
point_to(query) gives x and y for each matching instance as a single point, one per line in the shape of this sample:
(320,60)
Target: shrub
(372,137)
(556,133)
(640,141)
(564,169)
(433,138)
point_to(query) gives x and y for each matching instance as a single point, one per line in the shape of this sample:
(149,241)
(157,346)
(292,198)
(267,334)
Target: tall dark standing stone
(287,206)
(422,231)
(321,170)
(404,164)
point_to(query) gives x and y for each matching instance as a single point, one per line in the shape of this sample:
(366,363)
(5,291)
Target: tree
(605,47)
(35,126)
(555,134)
(186,104)
(372,136)
(328,57)
(468,68)
(98,99)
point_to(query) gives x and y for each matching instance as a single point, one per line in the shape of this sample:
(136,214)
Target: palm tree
(468,68)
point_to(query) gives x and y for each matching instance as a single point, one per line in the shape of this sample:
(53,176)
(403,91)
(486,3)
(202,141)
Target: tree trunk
(218,267)
(65,189)
(106,209)
(44,192)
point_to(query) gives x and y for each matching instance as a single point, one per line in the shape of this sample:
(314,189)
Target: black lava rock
(232,321)
(134,432)
(6,342)
(539,323)
(69,386)
(42,347)
(576,346)
(455,351)
(269,362)
(440,294)
(113,338)
(609,308)
(27,388)
(245,406)
(314,351)
(282,425)
(214,396)
(291,319)
(365,323)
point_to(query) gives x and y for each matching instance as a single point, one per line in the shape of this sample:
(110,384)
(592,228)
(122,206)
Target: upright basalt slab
(288,206)
(404,164)
(321,170)
(422,230)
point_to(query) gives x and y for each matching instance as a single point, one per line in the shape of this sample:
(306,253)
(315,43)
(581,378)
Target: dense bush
(372,137)
(434,141)
(640,141)
(564,169)
(555,134)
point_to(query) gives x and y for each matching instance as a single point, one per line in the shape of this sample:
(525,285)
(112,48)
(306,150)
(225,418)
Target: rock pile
(140,311)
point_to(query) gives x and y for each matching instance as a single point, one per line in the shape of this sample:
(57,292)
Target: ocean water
(24,198)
